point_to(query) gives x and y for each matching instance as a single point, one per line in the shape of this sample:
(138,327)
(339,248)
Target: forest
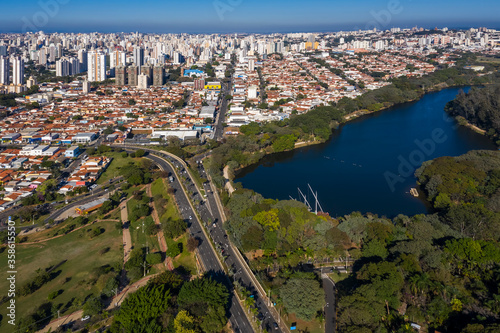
(480,107)
(440,271)
(170,304)
(465,191)
(419,269)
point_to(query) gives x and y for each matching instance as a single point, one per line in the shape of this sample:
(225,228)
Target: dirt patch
(252,255)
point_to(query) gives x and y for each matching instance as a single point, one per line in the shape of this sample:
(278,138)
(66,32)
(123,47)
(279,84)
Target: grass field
(186,258)
(78,254)
(489,60)
(139,237)
(337,277)
(158,187)
(113,169)
(312,326)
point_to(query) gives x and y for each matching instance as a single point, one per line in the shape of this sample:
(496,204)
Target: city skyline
(226,16)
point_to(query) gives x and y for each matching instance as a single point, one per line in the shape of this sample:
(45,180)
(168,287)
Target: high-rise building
(96,66)
(3,50)
(4,70)
(251,65)
(178,58)
(311,39)
(117,59)
(83,59)
(132,75)
(18,71)
(86,87)
(52,53)
(138,56)
(148,71)
(62,67)
(74,66)
(143,81)
(121,76)
(59,49)
(42,57)
(158,74)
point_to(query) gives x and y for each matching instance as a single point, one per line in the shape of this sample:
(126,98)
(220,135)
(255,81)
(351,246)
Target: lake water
(368,164)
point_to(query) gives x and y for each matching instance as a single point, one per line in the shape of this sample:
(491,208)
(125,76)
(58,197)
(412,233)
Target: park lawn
(171,211)
(337,277)
(186,258)
(82,257)
(313,326)
(113,169)
(58,229)
(488,59)
(139,238)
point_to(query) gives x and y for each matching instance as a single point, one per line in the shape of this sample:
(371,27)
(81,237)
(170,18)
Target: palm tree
(424,282)
(414,284)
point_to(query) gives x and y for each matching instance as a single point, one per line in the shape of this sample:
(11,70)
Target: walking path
(161,237)
(54,237)
(127,239)
(116,301)
(229,186)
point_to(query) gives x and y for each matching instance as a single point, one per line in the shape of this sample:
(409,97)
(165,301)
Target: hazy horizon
(237,16)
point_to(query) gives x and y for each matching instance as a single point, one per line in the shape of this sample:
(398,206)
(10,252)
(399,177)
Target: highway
(234,259)
(208,257)
(221,115)
(209,211)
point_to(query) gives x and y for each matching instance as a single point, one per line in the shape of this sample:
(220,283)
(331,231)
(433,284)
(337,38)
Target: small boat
(414,192)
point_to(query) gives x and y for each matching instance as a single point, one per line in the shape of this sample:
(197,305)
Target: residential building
(96,66)
(4,70)
(158,75)
(121,76)
(132,75)
(18,71)
(142,81)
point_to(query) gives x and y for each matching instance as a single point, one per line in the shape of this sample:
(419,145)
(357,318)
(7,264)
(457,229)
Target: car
(214,225)
(85,318)
(275,326)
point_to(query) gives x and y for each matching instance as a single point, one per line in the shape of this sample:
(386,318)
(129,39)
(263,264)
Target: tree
(184,323)
(174,249)
(93,306)
(143,307)
(207,300)
(286,142)
(153,258)
(304,297)
(268,219)
(192,244)
(173,228)
(131,102)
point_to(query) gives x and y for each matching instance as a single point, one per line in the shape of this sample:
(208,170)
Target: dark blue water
(369,163)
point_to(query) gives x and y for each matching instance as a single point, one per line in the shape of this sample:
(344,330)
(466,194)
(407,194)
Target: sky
(228,16)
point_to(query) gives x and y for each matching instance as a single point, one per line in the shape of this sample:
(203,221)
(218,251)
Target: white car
(85,318)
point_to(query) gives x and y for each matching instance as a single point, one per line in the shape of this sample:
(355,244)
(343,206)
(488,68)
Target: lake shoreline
(389,145)
(351,116)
